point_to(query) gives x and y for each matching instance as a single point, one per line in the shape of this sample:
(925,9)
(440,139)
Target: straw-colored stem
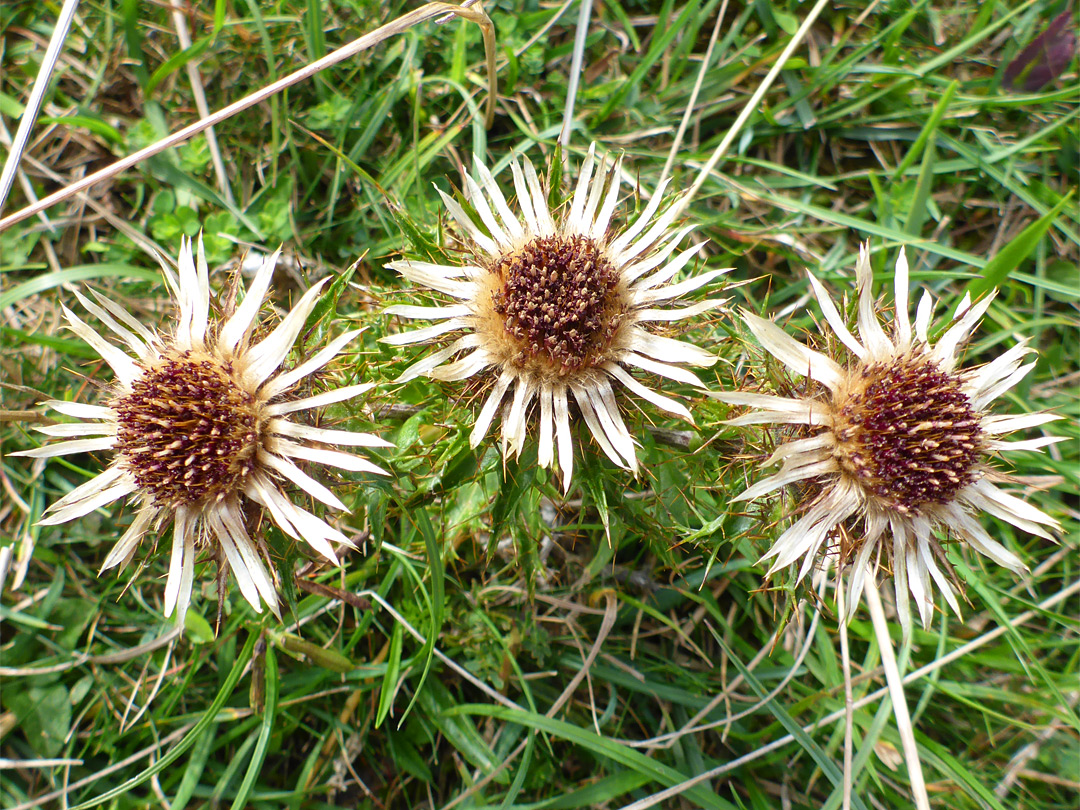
(750,107)
(580,35)
(692,102)
(37,95)
(849,709)
(183,36)
(895,683)
(474,14)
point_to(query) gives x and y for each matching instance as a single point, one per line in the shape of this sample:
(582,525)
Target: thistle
(557,307)
(198,422)
(899,444)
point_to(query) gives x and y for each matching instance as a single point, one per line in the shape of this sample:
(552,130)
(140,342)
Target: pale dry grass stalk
(474,14)
(12,764)
(692,102)
(748,109)
(81,658)
(127,722)
(120,224)
(584,15)
(24,181)
(849,712)
(966,649)
(37,95)
(183,36)
(610,614)
(895,680)
(1017,765)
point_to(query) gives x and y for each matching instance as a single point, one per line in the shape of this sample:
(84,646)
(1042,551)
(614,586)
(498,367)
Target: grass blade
(1013,254)
(266,727)
(189,739)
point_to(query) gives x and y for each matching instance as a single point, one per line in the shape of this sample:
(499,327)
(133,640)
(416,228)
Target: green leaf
(600,746)
(555,177)
(189,739)
(18,617)
(438,599)
(520,772)
(1030,658)
(657,49)
(788,22)
(515,483)
(313,30)
(955,771)
(178,60)
(234,763)
(928,131)
(459,729)
(422,245)
(133,37)
(87,122)
(320,656)
(172,175)
(601,792)
(196,763)
(1009,257)
(45,717)
(917,213)
(406,756)
(82,272)
(265,729)
(390,679)
(592,477)
(325,312)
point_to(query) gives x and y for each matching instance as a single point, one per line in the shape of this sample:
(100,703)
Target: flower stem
(849,711)
(896,693)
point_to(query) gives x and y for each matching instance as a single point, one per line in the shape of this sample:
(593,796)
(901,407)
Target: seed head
(898,446)
(559,299)
(187,432)
(905,430)
(557,309)
(201,432)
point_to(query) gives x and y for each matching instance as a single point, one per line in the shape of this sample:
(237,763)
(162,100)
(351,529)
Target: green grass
(897,130)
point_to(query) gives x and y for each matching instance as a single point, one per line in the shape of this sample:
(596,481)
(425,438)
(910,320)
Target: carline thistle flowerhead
(900,441)
(198,421)
(556,305)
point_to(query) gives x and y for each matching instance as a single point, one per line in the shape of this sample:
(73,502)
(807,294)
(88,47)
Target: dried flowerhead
(198,422)
(558,307)
(898,447)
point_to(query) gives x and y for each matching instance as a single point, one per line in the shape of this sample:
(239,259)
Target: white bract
(897,446)
(556,308)
(199,420)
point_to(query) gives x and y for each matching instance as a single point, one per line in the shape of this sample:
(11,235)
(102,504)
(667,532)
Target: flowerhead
(556,307)
(897,447)
(198,423)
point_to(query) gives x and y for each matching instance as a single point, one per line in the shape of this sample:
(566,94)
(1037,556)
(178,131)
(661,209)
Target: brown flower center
(908,433)
(187,431)
(559,300)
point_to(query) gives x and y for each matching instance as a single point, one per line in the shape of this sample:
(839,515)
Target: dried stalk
(475,14)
